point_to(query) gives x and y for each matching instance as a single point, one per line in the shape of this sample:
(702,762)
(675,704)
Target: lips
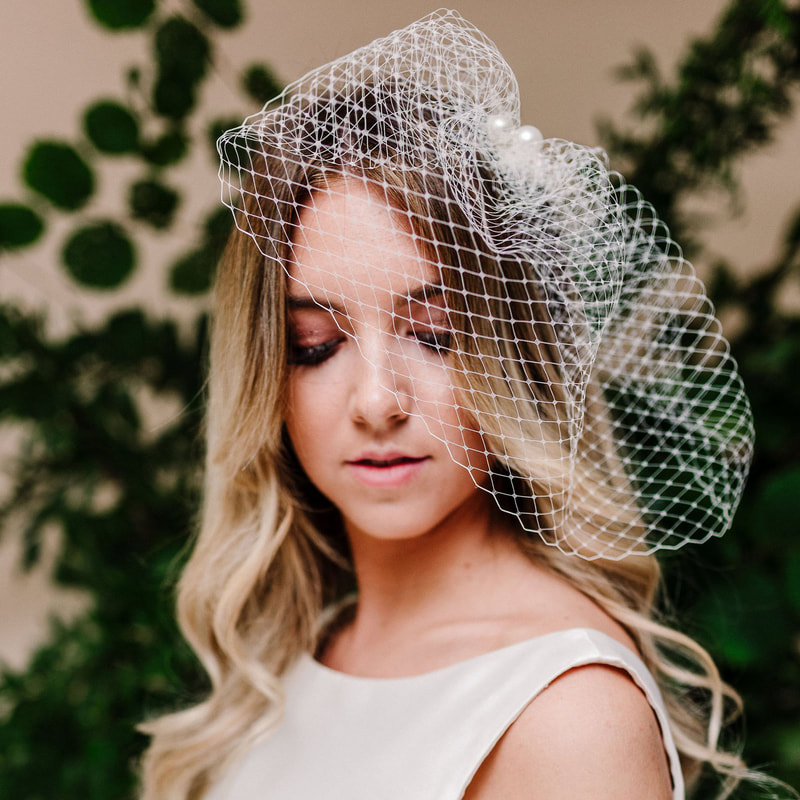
(388,462)
(386,470)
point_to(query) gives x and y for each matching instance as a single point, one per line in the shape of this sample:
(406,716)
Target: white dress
(421,737)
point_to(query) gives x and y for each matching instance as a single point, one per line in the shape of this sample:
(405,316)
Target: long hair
(269,557)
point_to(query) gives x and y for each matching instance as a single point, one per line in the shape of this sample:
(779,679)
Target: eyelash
(319,353)
(435,340)
(311,356)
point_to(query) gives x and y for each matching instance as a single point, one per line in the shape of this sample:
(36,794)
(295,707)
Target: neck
(441,576)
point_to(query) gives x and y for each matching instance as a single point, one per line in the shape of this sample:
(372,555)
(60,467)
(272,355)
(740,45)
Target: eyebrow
(421,294)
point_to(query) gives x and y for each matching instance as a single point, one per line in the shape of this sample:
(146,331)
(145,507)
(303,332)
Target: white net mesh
(510,291)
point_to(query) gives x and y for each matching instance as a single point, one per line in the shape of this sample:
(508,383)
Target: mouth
(382,463)
(387,472)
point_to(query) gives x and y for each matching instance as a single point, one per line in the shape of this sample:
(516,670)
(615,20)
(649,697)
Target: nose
(380,397)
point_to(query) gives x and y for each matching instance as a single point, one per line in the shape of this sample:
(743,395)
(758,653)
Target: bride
(462,387)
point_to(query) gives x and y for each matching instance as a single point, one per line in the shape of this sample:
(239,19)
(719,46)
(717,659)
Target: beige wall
(54,61)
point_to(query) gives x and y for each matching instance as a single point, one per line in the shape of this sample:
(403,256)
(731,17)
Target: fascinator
(584,348)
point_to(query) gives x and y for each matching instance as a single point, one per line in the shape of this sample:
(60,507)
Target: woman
(462,387)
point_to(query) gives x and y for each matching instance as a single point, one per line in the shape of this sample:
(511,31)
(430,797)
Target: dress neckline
(346,677)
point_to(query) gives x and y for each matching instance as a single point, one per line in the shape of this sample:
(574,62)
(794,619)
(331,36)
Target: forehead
(352,246)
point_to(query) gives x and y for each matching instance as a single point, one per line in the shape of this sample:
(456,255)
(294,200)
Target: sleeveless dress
(421,737)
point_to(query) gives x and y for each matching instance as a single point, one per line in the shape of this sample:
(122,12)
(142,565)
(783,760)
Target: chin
(389,525)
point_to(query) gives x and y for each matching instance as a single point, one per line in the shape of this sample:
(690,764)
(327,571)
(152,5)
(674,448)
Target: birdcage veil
(582,348)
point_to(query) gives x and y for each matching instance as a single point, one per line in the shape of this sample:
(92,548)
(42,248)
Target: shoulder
(591,733)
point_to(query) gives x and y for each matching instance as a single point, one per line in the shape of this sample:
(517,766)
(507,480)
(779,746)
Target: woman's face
(372,411)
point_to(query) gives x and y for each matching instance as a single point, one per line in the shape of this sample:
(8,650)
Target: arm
(591,734)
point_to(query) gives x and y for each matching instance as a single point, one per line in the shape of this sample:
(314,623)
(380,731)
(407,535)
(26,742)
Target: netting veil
(543,305)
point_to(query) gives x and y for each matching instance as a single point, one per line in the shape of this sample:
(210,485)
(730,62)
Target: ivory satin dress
(421,737)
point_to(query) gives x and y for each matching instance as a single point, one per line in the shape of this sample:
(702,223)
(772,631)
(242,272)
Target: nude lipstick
(386,470)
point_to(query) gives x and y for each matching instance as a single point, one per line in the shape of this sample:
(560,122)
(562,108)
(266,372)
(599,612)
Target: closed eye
(315,354)
(435,340)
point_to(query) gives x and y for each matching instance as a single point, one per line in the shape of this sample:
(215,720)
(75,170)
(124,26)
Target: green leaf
(182,48)
(226,13)
(167,149)
(99,255)
(111,127)
(193,273)
(125,337)
(31,396)
(182,57)
(777,16)
(174,97)
(260,83)
(217,228)
(57,172)
(121,14)
(20,332)
(153,203)
(19,226)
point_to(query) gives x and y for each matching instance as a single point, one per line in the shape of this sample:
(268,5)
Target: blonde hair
(269,558)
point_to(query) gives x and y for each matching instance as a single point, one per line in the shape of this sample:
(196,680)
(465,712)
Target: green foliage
(182,55)
(57,172)
(194,272)
(111,127)
(731,90)
(153,203)
(216,229)
(121,14)
(260,83)
(124,496)
(19,226)
(99,255)
(122,491)
(166,150)
(226,13)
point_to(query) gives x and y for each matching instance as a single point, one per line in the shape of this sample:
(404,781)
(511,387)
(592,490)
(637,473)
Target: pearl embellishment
(503,128)
(527,133)
(500,122)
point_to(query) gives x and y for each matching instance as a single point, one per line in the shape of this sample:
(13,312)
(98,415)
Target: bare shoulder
(591,733)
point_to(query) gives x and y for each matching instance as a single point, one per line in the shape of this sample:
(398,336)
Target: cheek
(472,447)
(437,403)
(307,417)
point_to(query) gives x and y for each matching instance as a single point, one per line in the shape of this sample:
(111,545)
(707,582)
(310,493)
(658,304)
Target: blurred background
(109,233)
